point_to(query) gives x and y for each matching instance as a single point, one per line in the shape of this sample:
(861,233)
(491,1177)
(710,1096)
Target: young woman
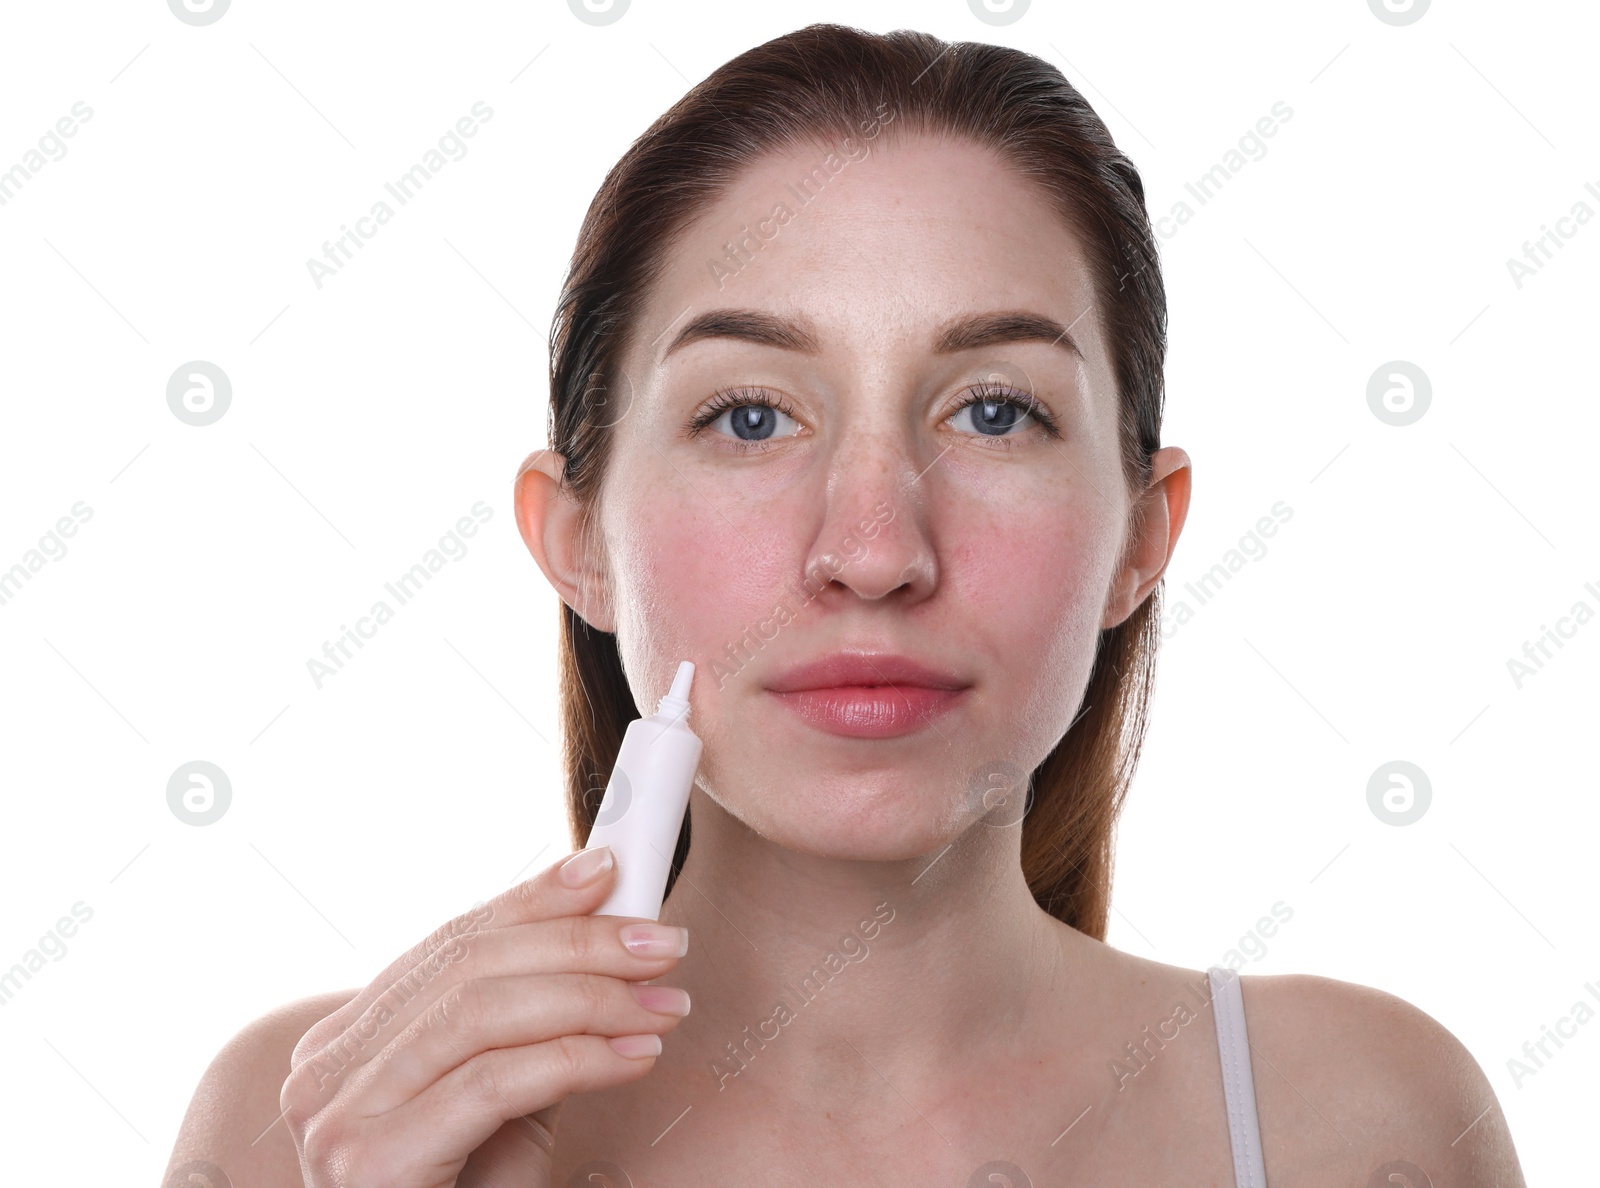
(856,400)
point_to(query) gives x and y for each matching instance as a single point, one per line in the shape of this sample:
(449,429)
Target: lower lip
(879,711)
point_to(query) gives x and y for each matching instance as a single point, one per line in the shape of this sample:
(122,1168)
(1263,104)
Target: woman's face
(877,505)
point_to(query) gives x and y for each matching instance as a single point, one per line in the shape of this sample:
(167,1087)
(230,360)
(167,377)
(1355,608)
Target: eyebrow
(963,334)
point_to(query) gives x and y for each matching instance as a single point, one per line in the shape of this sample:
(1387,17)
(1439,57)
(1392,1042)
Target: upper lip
(838,669)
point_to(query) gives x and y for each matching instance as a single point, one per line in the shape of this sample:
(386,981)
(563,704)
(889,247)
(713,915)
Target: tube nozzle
(676,702)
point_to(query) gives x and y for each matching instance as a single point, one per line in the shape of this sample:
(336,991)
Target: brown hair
(829,80)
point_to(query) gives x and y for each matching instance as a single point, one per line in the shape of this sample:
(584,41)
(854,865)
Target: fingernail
(586,866)
(636,1045)
(665,1000)
(655,940)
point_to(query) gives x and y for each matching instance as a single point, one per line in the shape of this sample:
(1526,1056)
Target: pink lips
(868,695)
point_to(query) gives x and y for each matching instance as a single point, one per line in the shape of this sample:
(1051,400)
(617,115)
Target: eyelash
(724,399)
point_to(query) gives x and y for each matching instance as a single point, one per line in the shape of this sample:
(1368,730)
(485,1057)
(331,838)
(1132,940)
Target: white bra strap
(1238,1087)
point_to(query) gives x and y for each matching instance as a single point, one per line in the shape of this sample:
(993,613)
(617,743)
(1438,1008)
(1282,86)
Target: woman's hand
(451,1067)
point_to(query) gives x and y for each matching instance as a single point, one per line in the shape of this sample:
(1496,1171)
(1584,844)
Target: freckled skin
(1000,552)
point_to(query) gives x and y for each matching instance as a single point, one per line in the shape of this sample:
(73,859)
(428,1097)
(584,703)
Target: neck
(823,978)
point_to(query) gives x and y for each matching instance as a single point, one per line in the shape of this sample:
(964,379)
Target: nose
(874,539)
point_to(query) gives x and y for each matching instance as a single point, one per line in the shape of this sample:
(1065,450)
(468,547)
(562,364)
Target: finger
(567,944)
(506,1012)
(462,1110)
(516,1155)
(545,895)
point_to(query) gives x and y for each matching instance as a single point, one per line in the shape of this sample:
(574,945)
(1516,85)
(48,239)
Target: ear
(1160,513)
(552,527)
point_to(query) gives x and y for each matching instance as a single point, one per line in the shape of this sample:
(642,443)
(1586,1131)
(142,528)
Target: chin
(871,818)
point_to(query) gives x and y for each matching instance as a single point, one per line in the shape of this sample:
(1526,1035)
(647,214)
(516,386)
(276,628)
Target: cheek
(692,578)
(1033,578)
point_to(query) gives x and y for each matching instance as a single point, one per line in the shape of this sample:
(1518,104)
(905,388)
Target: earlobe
(551,524)
(1165,507)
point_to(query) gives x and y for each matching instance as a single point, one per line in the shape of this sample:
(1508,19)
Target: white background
(369,415)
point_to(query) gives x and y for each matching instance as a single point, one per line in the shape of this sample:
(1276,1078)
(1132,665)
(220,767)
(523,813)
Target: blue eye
(752,422)
(996,411)
(755,417)
(752,416)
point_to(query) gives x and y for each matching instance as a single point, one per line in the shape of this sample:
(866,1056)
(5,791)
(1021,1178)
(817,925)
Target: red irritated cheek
(1038,566)
(695,576)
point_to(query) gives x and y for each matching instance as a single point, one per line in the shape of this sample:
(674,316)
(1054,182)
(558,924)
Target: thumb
(504,1159)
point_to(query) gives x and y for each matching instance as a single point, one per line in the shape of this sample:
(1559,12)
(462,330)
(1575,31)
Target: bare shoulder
(230,1120)
(1349,1078)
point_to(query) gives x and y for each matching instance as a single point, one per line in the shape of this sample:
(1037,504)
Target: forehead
(875,243)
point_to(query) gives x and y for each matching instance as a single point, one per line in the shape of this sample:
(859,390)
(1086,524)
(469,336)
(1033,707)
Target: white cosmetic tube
(645,801)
